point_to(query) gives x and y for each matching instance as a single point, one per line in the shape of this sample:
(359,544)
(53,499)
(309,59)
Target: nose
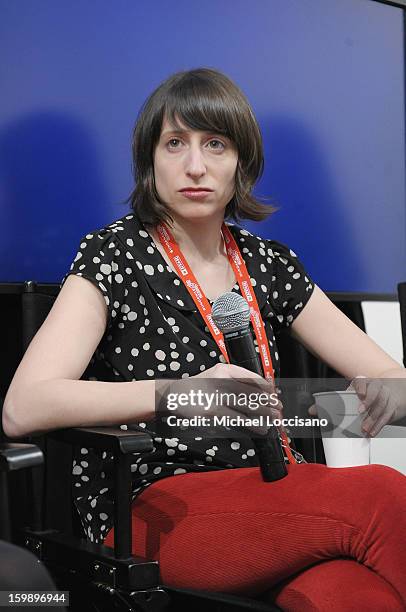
(195,166)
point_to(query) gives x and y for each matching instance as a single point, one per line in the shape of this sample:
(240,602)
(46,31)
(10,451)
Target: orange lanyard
(240,270)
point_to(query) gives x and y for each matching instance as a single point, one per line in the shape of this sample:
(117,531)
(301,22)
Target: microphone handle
(241,352)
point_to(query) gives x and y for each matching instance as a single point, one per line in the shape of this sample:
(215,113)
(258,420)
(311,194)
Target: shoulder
(265,247)
(118,240)
(119,229)
(276,274)
(105,258)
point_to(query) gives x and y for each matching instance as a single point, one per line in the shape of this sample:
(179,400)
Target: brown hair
(204,99)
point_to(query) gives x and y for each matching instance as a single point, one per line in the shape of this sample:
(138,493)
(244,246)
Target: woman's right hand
(224,390)
(230,378)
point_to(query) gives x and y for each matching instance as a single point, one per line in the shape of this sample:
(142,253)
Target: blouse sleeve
(101,261)
(291,286)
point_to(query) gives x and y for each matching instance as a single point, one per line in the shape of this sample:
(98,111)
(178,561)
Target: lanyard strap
(244,281)
(241,273)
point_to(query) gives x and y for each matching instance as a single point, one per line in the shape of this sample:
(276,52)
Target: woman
(124,308)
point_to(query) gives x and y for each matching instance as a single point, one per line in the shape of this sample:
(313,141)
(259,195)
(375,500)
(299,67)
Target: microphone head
(231,312)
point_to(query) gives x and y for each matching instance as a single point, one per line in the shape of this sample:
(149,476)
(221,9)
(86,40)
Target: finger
(312,410)
(359,385)
(271,408)
(374,427)
(252,397)
(368,392)
(378,402)
(240,372)
(374,395)
(248,385)
(381,412)
(381,406)
(276,413)
(381,422)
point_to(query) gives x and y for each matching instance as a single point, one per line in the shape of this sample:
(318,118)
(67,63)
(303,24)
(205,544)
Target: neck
(200,242)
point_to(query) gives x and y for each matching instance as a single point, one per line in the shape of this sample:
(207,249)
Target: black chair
(402,305)
(99,578)
(20,570)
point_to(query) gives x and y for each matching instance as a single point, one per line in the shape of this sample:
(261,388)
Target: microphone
(231,314)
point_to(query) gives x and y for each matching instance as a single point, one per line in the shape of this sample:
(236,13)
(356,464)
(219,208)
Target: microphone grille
(231,312)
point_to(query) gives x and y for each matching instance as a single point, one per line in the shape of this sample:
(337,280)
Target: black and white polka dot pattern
(155,331)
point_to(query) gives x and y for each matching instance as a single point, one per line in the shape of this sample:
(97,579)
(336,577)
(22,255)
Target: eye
(173,140)
(218,142)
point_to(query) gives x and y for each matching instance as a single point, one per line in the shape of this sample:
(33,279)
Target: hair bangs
(200,105)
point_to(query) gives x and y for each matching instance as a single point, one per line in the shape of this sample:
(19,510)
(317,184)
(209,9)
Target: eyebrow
(175,132)
(180,132)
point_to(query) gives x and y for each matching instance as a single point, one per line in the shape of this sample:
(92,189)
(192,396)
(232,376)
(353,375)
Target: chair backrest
(75,564)
(402,304)
(35,308)
(297,362)
(58,512)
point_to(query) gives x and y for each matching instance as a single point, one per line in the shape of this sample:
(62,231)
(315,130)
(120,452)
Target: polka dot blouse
(155,331)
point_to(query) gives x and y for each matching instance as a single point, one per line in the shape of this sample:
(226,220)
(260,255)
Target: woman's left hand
(380,402)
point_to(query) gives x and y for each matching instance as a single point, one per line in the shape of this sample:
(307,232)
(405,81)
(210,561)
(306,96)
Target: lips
(196,189)
(195,194)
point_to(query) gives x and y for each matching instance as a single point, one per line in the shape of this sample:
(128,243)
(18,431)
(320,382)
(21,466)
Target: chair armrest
(13,457)
(106,438)
(19,456)
(121,443)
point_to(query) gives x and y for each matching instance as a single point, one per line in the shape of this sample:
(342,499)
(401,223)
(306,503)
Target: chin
(197,211)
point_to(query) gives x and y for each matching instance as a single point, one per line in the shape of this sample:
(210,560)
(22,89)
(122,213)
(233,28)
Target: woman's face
(194,159)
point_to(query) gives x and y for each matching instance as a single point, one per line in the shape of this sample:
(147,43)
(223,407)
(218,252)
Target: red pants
(230,531)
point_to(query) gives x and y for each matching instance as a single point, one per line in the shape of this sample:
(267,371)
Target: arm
(326,332)
(46,392)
